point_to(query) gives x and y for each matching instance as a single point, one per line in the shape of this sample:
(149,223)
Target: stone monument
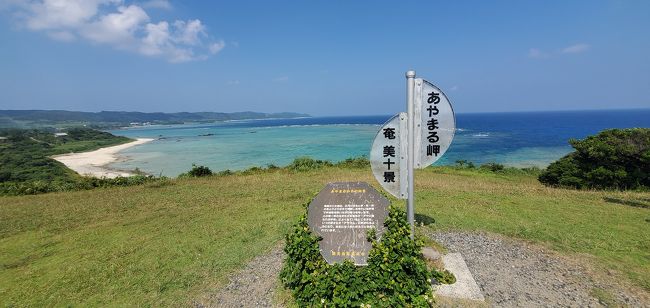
(341,214)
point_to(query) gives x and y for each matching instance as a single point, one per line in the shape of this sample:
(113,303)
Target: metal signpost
(415,139)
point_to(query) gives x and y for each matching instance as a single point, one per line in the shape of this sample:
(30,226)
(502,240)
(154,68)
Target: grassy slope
(167,244)
(89,145)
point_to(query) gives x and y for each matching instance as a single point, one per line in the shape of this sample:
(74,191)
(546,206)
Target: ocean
(521,139)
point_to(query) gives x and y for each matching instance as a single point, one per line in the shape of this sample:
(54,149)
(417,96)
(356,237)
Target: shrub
(225,172)
(253,170)
(396,274)
(532,170)
(160,182)
(307,163)
(494,167)
(5,176)
(81,183)
(465,164)
(443,277)
(615,158)
(199,171)
(357,163)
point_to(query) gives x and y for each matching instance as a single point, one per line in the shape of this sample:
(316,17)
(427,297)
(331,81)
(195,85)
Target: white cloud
(233,82)
(217,47)
(577,48)
(454,88)
(180,55)
(157,4)
(111,23)
(281,79)
(118,29)
(161,40)
(156,40)
(63,36)
(188,32)
(537,54)
(55,14)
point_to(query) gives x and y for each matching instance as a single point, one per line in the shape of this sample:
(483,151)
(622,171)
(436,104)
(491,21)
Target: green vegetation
(24,155)
(302,164)
(77,183)
(604,297)
(306,164)
(161,243)
(358,162)
(172,242)
(494,167)
(197,171)
(444,277)
(613,159)
(396,275)
(108,119)
(26,166)
(465,164)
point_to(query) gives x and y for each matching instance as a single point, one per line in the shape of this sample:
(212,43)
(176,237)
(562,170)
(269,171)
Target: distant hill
(39,118)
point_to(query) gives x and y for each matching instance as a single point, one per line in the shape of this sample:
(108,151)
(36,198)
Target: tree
(615,158)
(199,171)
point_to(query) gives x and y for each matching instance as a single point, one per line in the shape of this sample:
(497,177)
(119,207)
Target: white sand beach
(94,163)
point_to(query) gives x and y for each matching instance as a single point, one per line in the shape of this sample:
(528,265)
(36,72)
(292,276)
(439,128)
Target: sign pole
(410,107)
(394,154)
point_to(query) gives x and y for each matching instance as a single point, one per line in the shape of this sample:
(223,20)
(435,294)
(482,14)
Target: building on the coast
(140,123)
(60,134)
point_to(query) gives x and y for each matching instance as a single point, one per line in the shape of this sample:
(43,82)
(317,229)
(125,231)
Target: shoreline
(95,163)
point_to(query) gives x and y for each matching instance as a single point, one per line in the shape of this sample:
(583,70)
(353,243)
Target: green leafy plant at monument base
(396,274)
(443,277)
(615,158)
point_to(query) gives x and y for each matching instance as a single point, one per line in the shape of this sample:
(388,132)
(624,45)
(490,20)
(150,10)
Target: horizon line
(349,115)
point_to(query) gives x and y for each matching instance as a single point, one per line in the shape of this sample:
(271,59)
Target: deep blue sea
(516,139)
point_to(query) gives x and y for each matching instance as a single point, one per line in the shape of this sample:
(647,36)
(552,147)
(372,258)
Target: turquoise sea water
(237,148)
(516,139)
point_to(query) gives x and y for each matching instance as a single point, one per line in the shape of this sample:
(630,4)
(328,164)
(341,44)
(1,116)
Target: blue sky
(322,57)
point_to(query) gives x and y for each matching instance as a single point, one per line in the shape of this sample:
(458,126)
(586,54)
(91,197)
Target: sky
(325,58)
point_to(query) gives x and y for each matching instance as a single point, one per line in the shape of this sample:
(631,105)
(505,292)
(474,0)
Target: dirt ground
(510,273)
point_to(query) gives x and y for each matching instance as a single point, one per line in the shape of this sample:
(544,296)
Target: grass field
(168,243)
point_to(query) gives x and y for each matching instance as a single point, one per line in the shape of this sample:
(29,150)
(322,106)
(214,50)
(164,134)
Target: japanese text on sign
(348,216)
(432,124)
(387,156)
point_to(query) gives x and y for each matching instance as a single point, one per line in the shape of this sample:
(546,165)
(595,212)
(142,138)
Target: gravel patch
(253,286)
(512,273)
